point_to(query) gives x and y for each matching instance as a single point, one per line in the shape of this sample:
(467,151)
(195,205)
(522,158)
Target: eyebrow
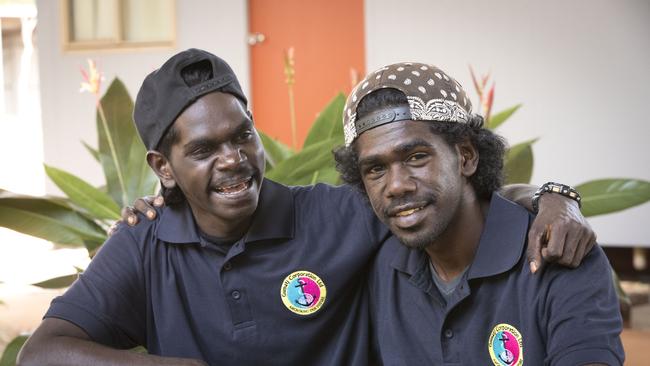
(411,145)
(197,144)
(193,145)
(399,149)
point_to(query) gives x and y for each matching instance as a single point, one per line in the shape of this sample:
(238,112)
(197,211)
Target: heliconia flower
(487,103)
(486,99)
(289,63)
(477,87)
(92,79)
(354,77)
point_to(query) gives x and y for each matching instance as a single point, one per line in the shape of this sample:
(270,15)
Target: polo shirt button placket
(235,295)
(227,266)
(449,334)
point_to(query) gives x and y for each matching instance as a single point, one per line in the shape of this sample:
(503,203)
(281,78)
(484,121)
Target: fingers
(580,252)
(142,206)
(536,241)
(592,241)
(129,216)
(156,201)
(159,201)
(555,246)
(586,244)
(113,228)
(574,238)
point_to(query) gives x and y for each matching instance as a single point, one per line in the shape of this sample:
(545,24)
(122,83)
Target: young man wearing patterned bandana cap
(452,285)
(237,269)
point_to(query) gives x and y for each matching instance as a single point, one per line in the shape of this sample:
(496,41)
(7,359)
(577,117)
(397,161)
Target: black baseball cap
(164,94)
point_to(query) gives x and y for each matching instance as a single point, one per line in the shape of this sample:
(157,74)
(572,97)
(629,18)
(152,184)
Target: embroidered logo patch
(506,346)
(303,292)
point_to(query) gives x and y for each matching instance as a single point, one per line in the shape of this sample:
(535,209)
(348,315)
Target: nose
(230,158)
(399,182)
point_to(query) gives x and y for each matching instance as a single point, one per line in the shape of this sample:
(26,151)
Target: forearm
(520,193)
(70,351)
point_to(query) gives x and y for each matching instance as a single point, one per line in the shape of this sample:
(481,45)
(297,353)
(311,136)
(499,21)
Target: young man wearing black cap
(236,269)
(453,286)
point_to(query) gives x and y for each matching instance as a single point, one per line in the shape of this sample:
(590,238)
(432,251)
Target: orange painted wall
(328,39)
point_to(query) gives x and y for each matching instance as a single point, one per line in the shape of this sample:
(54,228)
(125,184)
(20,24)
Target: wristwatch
(552,187)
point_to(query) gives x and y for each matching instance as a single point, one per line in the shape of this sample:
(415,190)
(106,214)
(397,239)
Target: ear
(160,165)
(468,158)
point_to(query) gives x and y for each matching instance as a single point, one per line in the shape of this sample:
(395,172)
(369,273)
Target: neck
(224,230)
(454,249)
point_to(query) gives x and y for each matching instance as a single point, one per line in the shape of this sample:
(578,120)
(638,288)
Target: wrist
(558,189)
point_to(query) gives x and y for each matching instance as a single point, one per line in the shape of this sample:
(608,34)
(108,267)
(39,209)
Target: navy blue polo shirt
(288,293)
(500,314)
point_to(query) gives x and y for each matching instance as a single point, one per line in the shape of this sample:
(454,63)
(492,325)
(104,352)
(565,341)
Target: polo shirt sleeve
(360,206)
(108,299)
(582,316)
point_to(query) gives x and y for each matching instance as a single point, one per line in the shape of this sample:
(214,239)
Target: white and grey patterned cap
(431,93)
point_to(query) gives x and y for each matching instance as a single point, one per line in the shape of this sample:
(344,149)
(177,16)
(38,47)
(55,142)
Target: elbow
(29,354)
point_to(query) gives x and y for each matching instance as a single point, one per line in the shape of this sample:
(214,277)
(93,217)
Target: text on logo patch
(506,346)
(303,292)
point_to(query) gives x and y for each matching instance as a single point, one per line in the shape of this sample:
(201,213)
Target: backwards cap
(164,94)
(432,96)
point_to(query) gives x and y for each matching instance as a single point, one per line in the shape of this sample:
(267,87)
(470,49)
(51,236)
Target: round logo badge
(505,346)
(303,292)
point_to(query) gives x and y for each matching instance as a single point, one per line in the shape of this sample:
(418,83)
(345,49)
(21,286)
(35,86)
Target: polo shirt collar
(273,218)
(409,261)
(177,225)
(503,238)
(500,247)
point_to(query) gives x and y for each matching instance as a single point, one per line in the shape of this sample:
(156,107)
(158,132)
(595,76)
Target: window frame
(69,45)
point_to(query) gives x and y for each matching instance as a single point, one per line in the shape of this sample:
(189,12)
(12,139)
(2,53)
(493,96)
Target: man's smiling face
(413,179)
(218,162)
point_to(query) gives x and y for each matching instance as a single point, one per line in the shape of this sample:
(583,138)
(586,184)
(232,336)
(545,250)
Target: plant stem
(292,117)
(314,178)
(109,137)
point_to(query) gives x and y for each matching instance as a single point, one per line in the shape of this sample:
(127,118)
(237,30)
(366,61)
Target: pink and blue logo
(303,292)
(506,346)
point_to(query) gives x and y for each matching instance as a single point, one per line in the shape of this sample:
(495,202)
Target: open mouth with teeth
(408,212)
(235,188)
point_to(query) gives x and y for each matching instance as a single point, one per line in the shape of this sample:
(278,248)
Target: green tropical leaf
(327,175)
(47,218)
(94,152)
(84,195)
(140,179)
(275,150)
(92,246)
(116,132)
(620,292)
(58,282)
(11,352)
(312,164)
(610,195)
(519,163)
(497,119)
(328,124)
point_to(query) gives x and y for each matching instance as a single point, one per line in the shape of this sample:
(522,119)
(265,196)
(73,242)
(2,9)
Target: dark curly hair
(192,74)
(491,148)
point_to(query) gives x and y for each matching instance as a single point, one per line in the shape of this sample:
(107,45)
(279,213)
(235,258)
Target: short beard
(422,240)
(426,238)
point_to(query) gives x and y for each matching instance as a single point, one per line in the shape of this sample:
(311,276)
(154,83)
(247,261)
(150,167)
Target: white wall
(219,26)
(581,68)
